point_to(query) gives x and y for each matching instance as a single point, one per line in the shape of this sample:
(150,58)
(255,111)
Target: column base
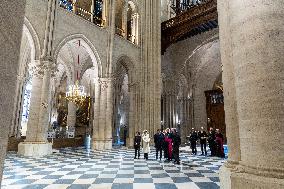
(102,144)
(34,149)
(232,178)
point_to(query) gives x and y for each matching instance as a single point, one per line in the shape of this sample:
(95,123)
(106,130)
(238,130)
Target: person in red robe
(168,140)
(219,141)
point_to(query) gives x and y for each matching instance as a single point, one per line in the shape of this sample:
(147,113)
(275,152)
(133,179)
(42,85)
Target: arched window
(26,105)
(119,18)
(132,31)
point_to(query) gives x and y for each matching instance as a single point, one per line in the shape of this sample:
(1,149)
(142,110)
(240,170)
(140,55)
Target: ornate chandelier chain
(76,93)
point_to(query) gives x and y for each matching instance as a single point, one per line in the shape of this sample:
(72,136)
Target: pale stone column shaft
(230,105)
(12,18)
(102,112)
(257,46)
(151,65)
(71,116)
(43,122)
(34,109)
(109,115)
(131,126)
(124,18)
(258,67)
(96,128)
(17,107)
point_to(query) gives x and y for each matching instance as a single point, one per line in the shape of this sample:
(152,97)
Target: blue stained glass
(26,103)
(67,4)
(98,8)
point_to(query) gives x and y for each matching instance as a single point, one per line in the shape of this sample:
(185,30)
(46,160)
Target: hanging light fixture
(76,93)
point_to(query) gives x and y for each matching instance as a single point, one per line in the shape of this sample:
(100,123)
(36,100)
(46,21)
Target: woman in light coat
(146,143)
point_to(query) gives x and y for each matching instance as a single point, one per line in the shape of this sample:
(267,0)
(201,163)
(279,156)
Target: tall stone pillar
(150,87)
(135,28)
(109,115)
(36,143)
(15,128)
(96,128)
(124,18)
(132,112)
(254,46)
(11,24)
(71,117)
(103,111)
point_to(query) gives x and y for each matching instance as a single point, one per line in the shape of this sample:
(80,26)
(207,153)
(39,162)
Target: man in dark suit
(158,140)
(193,139)
(176,143)
(137,144)
(202,135)
(211,141)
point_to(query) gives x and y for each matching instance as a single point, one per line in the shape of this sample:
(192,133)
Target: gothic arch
(129,66)
(205,42)
(90,48)
(33,39)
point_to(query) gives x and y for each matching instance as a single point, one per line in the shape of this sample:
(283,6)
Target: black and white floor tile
(78,168)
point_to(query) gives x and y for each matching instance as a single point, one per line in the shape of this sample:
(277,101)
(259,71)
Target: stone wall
(198,60)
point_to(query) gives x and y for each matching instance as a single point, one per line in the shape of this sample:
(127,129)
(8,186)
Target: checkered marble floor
(78,168)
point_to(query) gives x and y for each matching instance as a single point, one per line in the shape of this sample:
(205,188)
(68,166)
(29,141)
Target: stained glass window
(67,4)
(26,106)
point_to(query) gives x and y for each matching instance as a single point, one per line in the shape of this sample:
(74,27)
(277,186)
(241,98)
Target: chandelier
(76,93)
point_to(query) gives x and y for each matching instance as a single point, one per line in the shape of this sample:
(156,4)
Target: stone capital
(105,83)
(38,68)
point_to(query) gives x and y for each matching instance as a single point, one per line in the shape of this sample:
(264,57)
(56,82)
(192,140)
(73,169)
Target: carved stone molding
(105,83)
(196,20)
(38,68)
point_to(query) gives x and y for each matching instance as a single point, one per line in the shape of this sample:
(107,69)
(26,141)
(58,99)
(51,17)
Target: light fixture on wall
(76,93)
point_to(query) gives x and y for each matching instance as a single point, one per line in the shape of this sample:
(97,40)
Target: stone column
(124,18)
(256,46)
(36,143)
(71,117)
(96,128)
(17,107)
(109,115)
(132,112)
(230,105)
(134,29)
(102,129)
(11,24)
(150,86)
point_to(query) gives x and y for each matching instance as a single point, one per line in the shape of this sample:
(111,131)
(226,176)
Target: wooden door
(215,110)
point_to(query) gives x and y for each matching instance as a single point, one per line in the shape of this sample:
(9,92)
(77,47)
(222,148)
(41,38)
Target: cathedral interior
(80,79)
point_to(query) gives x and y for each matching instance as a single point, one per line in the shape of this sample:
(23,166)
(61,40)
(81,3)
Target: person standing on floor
(165,145)
(168,139)
(202,135)
(211,141)
(219,141)
(146,144)
(158,140)
(193,139)
(176,143)
(137,143)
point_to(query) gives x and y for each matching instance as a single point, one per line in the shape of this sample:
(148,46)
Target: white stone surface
(34,149)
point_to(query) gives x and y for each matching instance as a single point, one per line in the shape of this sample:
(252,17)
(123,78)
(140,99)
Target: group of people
(167,141)
(215,141)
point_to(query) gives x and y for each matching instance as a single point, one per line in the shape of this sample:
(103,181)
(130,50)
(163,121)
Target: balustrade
(180,6)
(192,17)
(93,17)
